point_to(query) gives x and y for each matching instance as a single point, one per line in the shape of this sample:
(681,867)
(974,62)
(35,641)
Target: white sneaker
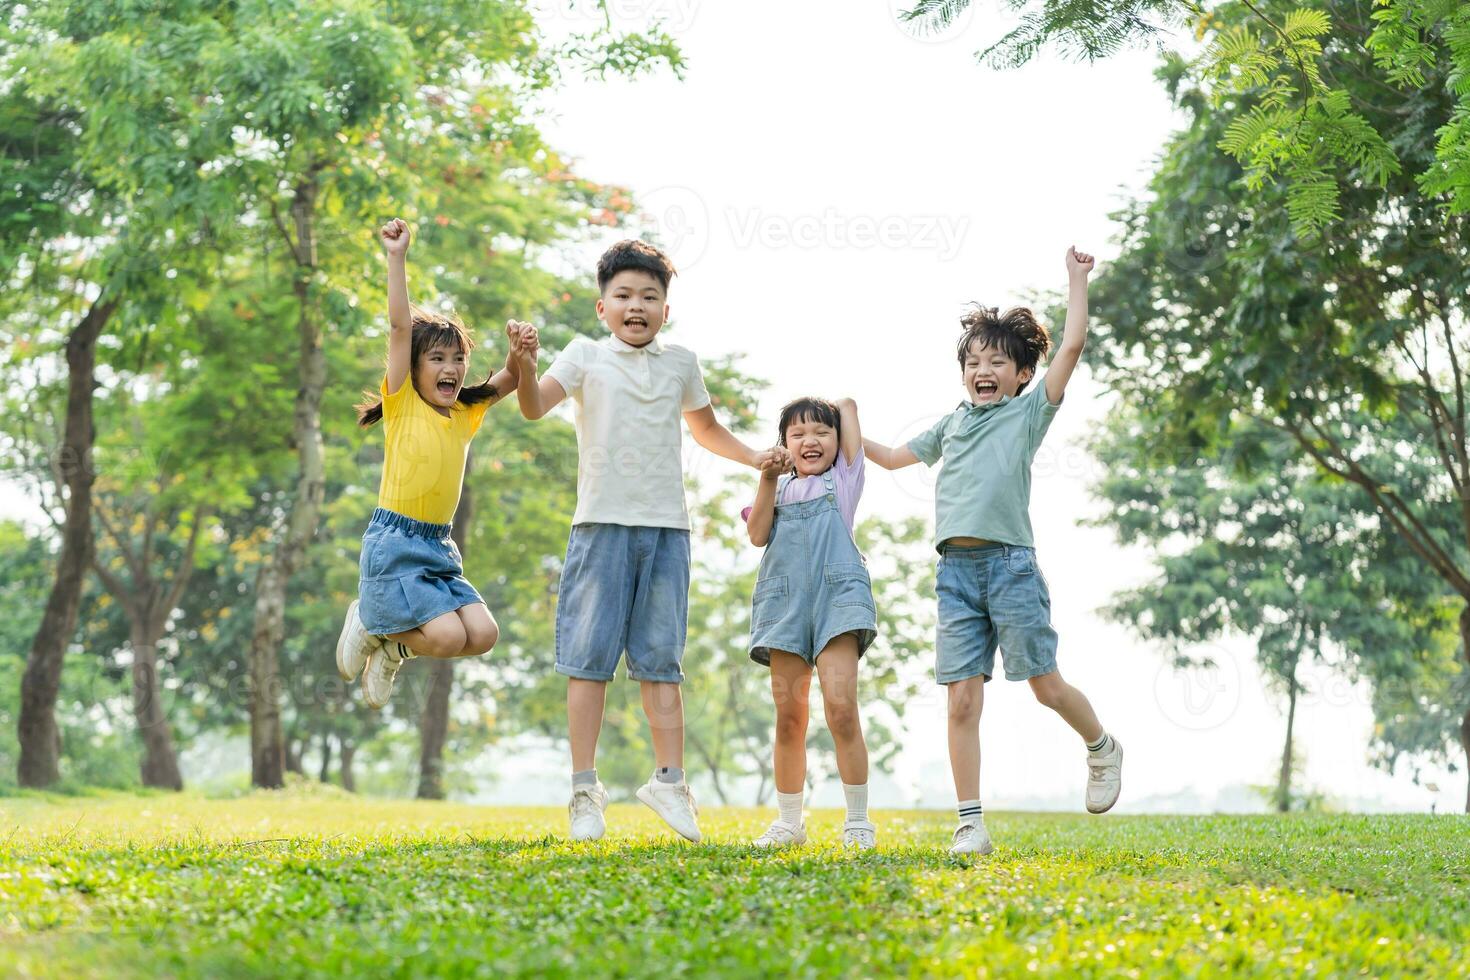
(859,834)
(353,645)
(586,808)
(781,834)
(1104,779)
(674,803)
(383,665)
(972,838)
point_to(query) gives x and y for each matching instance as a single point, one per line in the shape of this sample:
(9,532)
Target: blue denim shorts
(411,572)
(623,589)
(993,597)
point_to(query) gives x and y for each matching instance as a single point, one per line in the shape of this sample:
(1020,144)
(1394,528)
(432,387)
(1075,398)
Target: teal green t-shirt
(984,488)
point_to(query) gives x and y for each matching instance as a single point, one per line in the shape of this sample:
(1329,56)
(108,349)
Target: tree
(1217,313)
(1276,67)
(1276,551)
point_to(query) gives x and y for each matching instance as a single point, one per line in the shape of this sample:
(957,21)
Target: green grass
(303,885)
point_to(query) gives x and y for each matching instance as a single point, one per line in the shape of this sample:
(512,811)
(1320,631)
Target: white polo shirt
(630,404)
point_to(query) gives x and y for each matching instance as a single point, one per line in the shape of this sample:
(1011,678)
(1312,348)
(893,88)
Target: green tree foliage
(1276,67)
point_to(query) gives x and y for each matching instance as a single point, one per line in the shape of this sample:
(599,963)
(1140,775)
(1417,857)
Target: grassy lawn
(287,885)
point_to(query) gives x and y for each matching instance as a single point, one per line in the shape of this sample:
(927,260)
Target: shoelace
(583,803)
(777,835)
(963,832)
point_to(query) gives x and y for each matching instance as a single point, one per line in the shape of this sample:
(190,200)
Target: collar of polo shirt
(619,344)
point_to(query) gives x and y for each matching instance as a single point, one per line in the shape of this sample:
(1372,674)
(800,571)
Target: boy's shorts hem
(962,676)
(582,674)
(1027,673)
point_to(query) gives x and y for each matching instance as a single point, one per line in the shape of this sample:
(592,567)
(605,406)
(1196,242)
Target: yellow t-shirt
(424,454)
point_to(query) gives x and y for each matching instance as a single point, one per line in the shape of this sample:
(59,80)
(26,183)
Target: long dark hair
(818,410)
(431,330)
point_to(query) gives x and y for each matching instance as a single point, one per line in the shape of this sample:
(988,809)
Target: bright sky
(833,190)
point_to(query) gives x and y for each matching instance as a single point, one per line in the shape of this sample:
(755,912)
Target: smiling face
(634,307)
(812,444)
(439,375)
(990,374)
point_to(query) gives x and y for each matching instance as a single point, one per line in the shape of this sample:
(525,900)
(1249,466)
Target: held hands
(525,341)
(1079,264)
(773,462)
(395,236)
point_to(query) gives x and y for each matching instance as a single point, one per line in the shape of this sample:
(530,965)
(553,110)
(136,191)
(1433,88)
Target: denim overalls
(813,582)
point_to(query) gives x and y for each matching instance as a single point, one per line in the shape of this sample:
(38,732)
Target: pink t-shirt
(847,479)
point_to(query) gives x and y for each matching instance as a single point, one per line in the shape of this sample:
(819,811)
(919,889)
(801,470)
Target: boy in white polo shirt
(625,584)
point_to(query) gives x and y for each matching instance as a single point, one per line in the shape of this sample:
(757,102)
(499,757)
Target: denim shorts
(411,572)
(993,597)
(623,589)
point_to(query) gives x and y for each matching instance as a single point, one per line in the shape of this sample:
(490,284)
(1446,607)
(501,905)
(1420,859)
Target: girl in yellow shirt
(413,598)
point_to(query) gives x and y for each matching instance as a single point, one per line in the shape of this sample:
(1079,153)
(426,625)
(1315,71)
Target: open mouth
(447,387)
(985,388)
(812,455)
(635,322)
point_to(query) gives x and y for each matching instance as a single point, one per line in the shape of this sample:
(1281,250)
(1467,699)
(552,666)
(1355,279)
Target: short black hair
(806,409)
(1017,332)
(630,253)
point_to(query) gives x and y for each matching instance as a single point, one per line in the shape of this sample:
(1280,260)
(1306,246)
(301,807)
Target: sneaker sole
(1114,800)
(646,799)
(342,643)
(985,851)
(367,698)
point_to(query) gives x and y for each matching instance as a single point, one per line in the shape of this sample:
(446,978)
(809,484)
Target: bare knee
(965,704)
(843,722)
(481,639)
(1049,690)
(444,639)
(791,723)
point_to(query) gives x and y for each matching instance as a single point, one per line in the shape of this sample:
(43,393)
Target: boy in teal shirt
(991,592)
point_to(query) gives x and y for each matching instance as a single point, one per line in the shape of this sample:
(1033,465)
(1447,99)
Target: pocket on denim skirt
(368,562)
(849,584)
(768,602)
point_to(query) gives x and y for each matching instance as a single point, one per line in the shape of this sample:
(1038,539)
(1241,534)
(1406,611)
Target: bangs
(998,337)
(814,410)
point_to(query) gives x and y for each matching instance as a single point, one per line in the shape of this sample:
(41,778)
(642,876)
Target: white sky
(833,190)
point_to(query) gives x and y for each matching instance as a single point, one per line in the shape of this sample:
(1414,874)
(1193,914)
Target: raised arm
(852,432)
(396,236)
(772,463)
(1074,334)
(710,433)
(536,396)
(888,457)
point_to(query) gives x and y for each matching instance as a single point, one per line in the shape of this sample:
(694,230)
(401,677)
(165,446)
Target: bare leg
(837,668)
(966,699)
(585,701)
(663,705)
(791,684)
(1068,702)
(442,637)
(480,630)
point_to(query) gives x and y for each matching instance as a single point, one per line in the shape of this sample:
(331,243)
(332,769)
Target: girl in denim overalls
(813,604)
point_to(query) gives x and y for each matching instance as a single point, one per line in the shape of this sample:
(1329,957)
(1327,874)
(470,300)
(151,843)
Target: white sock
(789,805)
(857,801)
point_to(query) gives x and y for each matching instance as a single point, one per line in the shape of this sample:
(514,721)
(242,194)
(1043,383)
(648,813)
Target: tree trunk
(266,755)
(295,749)
(40,739)
(349,781)
(325,773)
(1465,721)
(434,719)
(160,764)
(1283,786)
